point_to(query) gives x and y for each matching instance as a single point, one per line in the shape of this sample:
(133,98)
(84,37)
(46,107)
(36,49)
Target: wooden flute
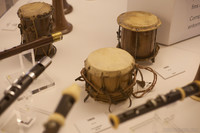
(22,83)
(162,100)
(34,44)
(57,119)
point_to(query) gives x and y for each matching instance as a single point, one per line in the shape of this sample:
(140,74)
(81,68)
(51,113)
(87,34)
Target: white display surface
(94,26)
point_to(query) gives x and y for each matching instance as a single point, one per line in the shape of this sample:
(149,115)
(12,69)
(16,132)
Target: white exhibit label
(93,124)
(10,26)
(169,71)
(194,14)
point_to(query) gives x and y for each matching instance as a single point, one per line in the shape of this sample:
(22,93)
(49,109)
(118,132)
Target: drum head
(34,9)
(109,62)
(138,21)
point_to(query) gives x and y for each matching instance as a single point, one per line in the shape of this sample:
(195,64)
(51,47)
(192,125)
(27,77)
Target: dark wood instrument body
(41,42)
(138,34)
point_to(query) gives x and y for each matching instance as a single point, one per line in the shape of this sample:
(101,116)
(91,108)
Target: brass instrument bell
(67,7)
(59,21)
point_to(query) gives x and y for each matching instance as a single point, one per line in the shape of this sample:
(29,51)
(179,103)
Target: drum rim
(39,16)
(98,72)
(137,28)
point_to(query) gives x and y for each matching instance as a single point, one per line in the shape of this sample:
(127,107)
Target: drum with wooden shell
(35,22)
(110,76)
(137,34)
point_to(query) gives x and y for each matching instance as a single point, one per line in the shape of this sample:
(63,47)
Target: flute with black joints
(22,83)
(162,100)
(45,40)
(56,120)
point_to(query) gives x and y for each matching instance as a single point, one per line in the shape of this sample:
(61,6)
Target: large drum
(110,74)
(35,22)
(138,34)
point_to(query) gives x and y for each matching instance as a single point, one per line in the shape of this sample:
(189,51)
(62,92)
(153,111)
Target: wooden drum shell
(139,44)
(112,84)
(35,26)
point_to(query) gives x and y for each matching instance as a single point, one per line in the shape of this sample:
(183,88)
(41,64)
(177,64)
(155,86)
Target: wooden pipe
(45,40)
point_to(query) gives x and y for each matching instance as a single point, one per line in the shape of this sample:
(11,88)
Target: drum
(110,74)
(35,22)
(138,34)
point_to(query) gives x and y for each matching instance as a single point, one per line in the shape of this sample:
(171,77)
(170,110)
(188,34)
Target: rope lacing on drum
(119,37)
(122,92)
(85,99)
(80,78)
(143,92)
(83,78)
(140,82)
(110,101)
(133,82)
(126,95)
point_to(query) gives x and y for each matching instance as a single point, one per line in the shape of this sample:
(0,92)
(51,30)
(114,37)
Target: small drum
(35,22)
(110,74)
(138,34)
